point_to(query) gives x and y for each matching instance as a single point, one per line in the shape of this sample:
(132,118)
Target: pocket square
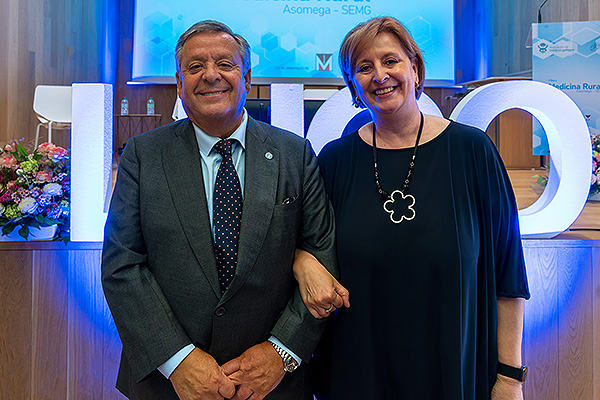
(289,200)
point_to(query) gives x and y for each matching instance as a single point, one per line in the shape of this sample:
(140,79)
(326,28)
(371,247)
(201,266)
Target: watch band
(289,363)
(519,374)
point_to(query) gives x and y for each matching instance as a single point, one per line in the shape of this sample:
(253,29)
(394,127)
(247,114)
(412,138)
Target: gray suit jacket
(158,267)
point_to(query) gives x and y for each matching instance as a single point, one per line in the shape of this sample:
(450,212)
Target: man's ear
(247,81)
(179,83)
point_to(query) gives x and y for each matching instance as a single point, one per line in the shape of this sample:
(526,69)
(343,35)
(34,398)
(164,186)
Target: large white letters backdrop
(91,159)
(553,212)
(570,148)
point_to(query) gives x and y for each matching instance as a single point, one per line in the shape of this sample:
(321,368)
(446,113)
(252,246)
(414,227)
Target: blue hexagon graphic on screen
(420,29)
(158,44)
(269,41)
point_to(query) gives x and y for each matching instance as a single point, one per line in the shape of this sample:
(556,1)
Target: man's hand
(256,372)
(200,377)
(507,388)
(321,292)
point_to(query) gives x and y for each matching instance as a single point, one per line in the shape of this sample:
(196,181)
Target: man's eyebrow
(218,57)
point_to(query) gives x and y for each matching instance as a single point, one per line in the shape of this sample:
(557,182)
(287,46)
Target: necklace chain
(385,195)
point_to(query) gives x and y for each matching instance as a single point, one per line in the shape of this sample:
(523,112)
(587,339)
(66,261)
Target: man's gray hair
(214,26)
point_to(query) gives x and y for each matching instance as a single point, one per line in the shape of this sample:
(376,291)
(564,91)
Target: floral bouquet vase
(34,192)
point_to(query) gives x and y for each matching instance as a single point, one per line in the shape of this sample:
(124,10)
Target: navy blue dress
(422,322)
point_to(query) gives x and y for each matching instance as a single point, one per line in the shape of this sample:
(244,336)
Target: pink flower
(7,196)
(45,147)
(44,176)
(8,148)
(8,161)
(57,154)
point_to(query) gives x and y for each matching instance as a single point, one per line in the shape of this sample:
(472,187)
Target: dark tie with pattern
(227,213)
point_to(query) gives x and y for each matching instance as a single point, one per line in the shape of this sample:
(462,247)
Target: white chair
(52,105)
(178,111)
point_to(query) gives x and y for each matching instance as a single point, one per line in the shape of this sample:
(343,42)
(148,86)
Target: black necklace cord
(385,195)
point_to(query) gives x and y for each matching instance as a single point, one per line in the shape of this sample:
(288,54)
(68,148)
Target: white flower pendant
(400,207)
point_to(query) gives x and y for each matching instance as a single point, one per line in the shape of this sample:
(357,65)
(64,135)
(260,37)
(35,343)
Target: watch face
(291,365)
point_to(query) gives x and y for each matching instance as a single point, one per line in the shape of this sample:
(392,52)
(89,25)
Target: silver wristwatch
(289,363)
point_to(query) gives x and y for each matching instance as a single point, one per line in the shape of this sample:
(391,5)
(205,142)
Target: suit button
(219,312)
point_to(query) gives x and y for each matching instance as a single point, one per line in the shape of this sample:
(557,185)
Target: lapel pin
(268,155)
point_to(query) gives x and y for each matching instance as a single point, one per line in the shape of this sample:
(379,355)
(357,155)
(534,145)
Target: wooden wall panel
(514,140)
(49,326)
(561,336)
(53,43)
(86,348)
(9,64)
(525,12)
(596,320)
(15,325)
(57,340)
(575,323)
(540,334)
(594,10)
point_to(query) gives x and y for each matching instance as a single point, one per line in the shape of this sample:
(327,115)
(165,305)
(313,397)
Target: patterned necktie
(227,213)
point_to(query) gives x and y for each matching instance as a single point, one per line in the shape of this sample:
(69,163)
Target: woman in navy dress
(428,243)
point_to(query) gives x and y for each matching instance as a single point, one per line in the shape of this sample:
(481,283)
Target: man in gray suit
(203,314)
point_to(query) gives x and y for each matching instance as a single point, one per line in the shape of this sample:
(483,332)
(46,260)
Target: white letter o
(570,148)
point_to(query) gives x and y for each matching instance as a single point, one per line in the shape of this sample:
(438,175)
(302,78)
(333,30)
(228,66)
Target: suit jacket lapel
(183,171)
(260,188)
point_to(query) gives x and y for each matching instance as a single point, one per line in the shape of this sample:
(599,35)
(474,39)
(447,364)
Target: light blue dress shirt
(211,161)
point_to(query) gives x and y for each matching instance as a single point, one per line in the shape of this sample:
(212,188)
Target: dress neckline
(421,145)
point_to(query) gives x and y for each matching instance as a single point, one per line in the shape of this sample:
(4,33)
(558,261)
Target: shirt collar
(206,141)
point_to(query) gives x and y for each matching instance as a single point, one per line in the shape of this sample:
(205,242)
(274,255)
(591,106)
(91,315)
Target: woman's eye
(363,69)
(391,61)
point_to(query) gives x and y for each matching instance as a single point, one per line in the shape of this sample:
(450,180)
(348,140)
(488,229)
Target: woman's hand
(321,292)
(507,389)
